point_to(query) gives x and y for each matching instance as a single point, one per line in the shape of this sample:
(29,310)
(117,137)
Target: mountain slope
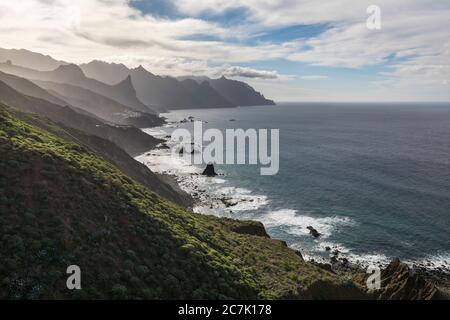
(239,92)
(29,59)
(206,95)
(131,139)
(122,92)
(110,73)
(29,88)
(111,153)
(184,93)
(103,107)
(161,92)
(62,205)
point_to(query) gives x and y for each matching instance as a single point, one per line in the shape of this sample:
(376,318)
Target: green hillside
(61,204)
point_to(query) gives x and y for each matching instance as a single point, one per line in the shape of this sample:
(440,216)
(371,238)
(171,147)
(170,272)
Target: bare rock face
(399,282)
(209,171)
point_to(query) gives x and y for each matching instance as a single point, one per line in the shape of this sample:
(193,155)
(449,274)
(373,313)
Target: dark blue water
(373,178)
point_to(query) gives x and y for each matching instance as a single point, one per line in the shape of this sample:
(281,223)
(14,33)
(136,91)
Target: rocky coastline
(399,280)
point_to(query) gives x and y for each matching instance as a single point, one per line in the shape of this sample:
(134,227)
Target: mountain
(239,92)
(110,73)
(206,95)
(29,88)
(130,139)
(199,79)
(29,59)
(103,107)
(136,88)
(183,93)
(122,92)
(162,92)
(62,204)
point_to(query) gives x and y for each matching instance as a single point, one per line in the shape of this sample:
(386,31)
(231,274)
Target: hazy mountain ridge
(239,92)
(29,59)
(29,88)
(131,139)
(103,107)
(122,92)
(136,88)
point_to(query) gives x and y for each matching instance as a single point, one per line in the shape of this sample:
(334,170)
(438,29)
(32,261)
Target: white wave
(297,224)
(157,132)
(434,261)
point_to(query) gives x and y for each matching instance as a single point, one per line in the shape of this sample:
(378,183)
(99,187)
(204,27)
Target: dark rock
(399,282)
(253,228)
(313,232)
(209,171)
(325,266)
(327,249)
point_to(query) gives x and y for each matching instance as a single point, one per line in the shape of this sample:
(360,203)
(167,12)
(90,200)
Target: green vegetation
(61,204)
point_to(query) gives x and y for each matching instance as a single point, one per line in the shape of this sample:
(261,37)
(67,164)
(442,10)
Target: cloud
(314,77)
(245,72)
(413,44)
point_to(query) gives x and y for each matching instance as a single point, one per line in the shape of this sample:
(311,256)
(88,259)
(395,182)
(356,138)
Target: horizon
(327,54)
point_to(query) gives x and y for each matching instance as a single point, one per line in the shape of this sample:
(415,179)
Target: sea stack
(209,171)
(313,232)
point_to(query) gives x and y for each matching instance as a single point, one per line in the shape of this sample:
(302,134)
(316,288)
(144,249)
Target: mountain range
(133,87)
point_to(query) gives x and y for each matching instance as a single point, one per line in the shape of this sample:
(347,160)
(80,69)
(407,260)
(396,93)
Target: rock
(209,171)
(327,249)
(399,282)
(313,232)
(325,266)
(253,228)
(228,202)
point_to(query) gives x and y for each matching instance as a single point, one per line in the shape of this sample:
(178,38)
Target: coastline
(229,203)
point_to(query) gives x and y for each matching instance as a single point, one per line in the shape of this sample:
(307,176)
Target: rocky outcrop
(399,282)
(209,171)
(253,228)
(313,232)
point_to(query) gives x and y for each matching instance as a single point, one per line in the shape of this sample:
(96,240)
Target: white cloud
(314,77)
(415,32)
(245,72)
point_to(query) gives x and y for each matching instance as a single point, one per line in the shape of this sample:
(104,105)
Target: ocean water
(374,179)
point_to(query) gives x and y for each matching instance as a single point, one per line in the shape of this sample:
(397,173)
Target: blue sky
(288,49)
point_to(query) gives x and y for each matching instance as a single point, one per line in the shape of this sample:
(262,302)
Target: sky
(290,50)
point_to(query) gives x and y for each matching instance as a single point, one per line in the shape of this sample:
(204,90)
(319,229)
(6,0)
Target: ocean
(373,179)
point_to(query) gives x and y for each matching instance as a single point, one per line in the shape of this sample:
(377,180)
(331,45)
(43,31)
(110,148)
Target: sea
(372,178)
